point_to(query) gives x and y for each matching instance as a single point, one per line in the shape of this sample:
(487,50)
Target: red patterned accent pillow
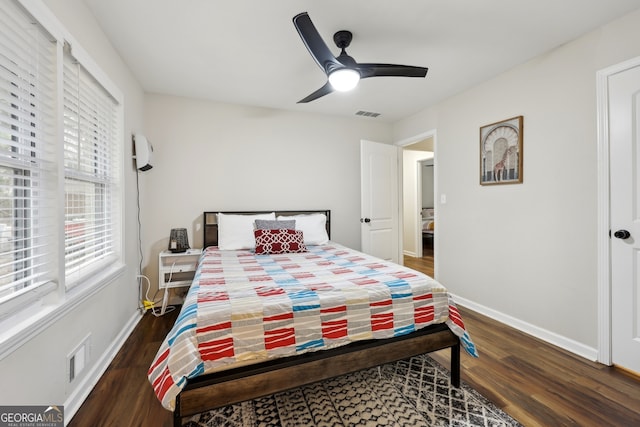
(279,241)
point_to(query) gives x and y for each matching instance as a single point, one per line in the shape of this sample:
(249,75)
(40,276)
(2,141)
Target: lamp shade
(178,240)
(344,79)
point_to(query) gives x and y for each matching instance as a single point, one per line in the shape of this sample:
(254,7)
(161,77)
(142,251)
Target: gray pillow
(268,224)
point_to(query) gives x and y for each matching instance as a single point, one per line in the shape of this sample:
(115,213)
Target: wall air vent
(79,358)
(367,114)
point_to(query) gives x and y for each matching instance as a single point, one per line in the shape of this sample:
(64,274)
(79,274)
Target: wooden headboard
(210,227)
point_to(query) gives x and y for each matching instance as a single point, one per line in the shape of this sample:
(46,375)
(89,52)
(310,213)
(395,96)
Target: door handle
(622,234)
(367,220)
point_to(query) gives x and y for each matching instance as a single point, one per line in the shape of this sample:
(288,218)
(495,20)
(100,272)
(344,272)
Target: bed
(323,310)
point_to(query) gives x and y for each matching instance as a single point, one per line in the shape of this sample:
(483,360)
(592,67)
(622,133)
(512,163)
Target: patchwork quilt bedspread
(244,308)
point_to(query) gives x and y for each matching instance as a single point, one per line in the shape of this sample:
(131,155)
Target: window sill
(18,329)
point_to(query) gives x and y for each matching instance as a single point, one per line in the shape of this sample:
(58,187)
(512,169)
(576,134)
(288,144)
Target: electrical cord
(150,303)
(146,303)
(141,303)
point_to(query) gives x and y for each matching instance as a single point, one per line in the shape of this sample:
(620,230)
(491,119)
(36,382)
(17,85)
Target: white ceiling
(248,52)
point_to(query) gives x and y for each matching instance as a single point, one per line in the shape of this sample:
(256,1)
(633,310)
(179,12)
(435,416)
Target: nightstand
(176,270)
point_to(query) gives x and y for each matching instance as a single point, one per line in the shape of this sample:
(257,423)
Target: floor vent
(367,114)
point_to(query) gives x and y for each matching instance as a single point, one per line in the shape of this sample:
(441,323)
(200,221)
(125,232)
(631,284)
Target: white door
(624,145)
(379,207)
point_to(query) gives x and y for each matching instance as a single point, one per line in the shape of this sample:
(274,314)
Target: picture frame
(501,152)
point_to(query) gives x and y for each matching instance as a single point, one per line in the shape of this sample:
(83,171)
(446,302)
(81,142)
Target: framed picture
(501,152)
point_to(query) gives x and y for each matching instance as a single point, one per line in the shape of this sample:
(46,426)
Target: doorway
(618,223)
(379,200)
(418,201)
(426,220)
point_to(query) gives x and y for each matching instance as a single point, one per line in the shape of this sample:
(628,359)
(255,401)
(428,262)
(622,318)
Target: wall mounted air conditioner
(143,152)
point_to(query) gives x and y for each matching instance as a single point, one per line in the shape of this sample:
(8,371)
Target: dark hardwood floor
(424,264)
(534,382)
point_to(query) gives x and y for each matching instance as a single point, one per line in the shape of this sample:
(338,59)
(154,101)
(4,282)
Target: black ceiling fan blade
(314,43)
(324,90)
(390,70)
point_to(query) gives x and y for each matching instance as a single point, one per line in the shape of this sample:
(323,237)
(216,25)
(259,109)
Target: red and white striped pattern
(244,308)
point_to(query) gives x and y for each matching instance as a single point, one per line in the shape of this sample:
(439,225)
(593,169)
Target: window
(27,153)
(58,153)
(90,173)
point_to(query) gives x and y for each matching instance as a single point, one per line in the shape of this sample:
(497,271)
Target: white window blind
(91,173)
(27,153)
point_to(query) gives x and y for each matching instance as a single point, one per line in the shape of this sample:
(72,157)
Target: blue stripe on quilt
(404,330)
(304,300)
(468,345)
(398,296)
(187,311)
(177,333)
(319,343)
(304,294)
(304,307)
(199,370)
(275,271)
(347,264)
(399,283)
(286,281)
(399,289)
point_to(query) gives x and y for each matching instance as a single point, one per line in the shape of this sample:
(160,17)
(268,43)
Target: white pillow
(236,231)
(313,227)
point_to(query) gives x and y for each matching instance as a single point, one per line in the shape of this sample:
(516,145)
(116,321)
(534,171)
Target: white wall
(527,253)
(36,372)
(212,156)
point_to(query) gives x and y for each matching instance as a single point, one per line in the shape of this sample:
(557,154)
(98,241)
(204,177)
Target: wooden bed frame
(236,385)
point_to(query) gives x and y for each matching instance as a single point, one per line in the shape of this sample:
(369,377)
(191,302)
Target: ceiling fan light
(344,79)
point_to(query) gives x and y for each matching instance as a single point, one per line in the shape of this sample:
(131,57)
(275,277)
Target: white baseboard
(410,253)
(82,390)
(568,344)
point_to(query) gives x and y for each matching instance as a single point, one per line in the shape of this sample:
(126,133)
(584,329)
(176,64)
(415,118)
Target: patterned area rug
(412,392)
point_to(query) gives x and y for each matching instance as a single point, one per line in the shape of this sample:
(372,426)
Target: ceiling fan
(343,72)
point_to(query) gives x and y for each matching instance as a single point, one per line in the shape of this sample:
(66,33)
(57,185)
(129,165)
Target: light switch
(443,199)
